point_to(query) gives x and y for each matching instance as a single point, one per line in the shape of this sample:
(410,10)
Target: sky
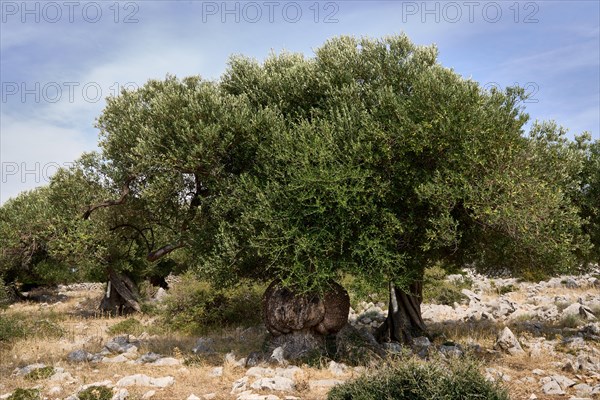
(59,60)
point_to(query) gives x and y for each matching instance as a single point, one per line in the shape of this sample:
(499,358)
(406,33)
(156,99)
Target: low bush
(25,394)
(421,380)
(40,373)
(129,326)
(11,328)
(194,306)
(19,325)
(438,290)
(95,393)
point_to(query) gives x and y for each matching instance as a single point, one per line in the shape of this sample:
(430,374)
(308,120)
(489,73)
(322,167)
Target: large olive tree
(385,162)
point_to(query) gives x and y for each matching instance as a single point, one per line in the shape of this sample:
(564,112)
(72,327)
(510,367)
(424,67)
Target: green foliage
(130,326)
(17,326)
(25,394)
(40,373)
(95,393)
(5,297)
(196,306)
(437,290)
(417,380)
(11,328)
(571,321)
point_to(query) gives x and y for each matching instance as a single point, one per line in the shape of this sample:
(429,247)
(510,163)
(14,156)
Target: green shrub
(5,298)
(40,373)
(17,326)
(95,393)
(11,328)
(131,326)
(419,380)
(571,321)
(437,290)
(25,394)
(194,306)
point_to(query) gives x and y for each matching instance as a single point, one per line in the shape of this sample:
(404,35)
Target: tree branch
(108,203)
(155,255)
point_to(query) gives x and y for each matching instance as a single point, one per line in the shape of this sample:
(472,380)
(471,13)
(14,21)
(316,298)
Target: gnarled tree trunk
(121,296)
(300,322)
(404,321)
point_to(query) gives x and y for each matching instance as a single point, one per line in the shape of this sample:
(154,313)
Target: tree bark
(121,296)
(404,321)
(300,323)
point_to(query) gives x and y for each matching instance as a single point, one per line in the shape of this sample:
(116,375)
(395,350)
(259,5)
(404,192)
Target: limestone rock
(277,383)
(145,380)
(507,342)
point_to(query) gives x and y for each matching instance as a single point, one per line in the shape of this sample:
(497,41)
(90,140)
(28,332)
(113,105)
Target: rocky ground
(542,341)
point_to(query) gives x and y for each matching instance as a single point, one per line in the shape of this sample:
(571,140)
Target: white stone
(216,372)
(116,359)
(57,389)
(289,372)
(240,385)
(563,381)
(121,394)
(259,372)
(507,342)
(145,380)
(552,387)
(149,394)
(166,362)
(277,383)
(337,369)
(193,397)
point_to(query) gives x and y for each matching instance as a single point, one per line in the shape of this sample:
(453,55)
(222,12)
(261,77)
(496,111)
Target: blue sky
(60,59)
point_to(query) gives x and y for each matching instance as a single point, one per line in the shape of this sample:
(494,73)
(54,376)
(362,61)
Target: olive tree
(385,162)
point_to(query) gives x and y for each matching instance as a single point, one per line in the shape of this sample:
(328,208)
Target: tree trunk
(404,321)
(299,323)
(121,296)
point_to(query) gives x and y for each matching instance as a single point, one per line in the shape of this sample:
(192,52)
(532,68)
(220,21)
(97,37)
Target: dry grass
(83,327)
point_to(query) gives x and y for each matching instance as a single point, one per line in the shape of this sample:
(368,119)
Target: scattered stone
(55,390)
(277,383)
(26,370)
(216,372)
(253,359)
(193,397)
(166,362)
(240,385)
(552,387)
(121,344)
(259,371)
(204,346)
(145,380)
(248,395)
(79,356)
(337,368)
(121,394)
(150,357)
(116,359)
(507,342)
(149,394)
(563,381)
(278,356)
(451,350)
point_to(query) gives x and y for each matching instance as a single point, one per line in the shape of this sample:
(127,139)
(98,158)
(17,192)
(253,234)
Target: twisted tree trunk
(299,323)
(404,321)
(121,296)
